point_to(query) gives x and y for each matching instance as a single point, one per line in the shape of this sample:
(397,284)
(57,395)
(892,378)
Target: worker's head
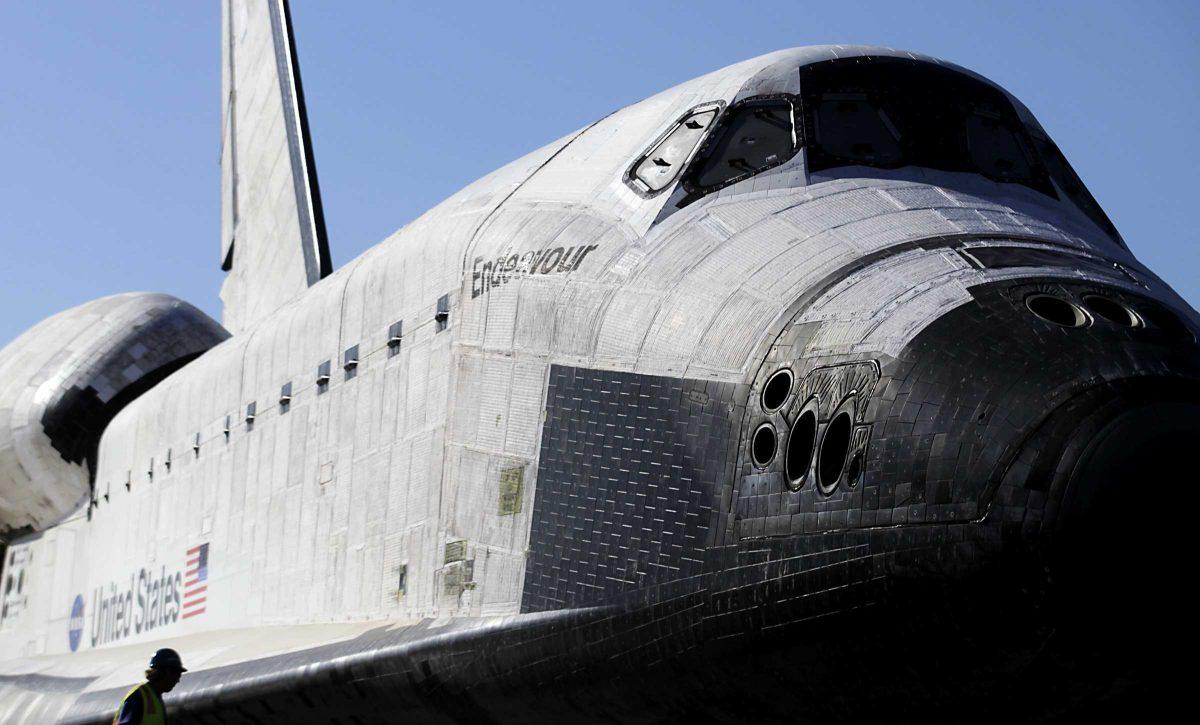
(165,669)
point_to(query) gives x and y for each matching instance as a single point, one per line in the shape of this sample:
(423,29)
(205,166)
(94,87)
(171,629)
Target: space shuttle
(818,388)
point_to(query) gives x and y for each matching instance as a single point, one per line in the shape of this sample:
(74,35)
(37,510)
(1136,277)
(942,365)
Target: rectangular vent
(285,398)
(323,377)
(350,362)
(395,337)
(442,317)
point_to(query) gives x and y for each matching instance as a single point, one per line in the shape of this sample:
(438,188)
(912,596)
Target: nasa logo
(75,626)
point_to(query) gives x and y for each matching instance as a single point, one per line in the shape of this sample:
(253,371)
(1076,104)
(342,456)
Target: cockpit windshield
(891,112)
(755,136)
(867,111)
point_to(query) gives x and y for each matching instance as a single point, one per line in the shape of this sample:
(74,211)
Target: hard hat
(167,659)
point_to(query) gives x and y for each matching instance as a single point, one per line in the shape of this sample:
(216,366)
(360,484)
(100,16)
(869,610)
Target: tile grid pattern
(629,483)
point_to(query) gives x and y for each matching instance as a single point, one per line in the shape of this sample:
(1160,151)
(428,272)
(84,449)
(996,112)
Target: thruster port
(763,445)
(1112,311)
(1056,310)
(835,444)
(777,389)
(802,443)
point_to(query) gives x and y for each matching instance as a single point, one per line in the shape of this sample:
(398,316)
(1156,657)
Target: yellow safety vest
(152,707)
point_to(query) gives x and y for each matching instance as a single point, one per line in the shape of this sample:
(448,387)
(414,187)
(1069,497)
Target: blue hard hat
(167,659)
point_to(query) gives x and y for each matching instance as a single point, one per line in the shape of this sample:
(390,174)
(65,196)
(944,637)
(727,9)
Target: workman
(143,705)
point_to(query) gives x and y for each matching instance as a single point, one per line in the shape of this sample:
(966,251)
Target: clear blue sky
(109,113)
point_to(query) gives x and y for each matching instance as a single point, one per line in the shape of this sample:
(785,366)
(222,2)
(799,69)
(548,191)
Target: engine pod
(65,378)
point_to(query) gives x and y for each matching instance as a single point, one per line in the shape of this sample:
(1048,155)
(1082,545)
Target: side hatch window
(658,167)
(758,134)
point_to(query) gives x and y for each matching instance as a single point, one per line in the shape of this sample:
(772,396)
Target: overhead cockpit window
(893,112)
(661,165)
(754,136)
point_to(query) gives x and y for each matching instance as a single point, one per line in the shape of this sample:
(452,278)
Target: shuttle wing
(273,242)
(447,670)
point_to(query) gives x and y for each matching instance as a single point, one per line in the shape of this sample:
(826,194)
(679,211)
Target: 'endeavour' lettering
(495,272)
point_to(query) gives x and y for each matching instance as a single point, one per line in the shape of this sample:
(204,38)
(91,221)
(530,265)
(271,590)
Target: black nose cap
(1128,523)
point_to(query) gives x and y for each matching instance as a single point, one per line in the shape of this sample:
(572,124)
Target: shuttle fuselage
(811,385)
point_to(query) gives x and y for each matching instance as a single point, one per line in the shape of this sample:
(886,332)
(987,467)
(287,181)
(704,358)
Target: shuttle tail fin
(273,241)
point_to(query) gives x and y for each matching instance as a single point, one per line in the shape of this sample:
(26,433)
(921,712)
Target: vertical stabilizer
(273,242)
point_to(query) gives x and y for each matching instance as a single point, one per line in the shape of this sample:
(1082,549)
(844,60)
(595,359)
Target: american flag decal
(195,581)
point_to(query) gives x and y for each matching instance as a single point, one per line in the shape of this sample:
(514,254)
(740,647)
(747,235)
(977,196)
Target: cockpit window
(853,129)
(754,136)
(866,111)
(1073,187)
(892,112)
(997,150)
(659,166)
